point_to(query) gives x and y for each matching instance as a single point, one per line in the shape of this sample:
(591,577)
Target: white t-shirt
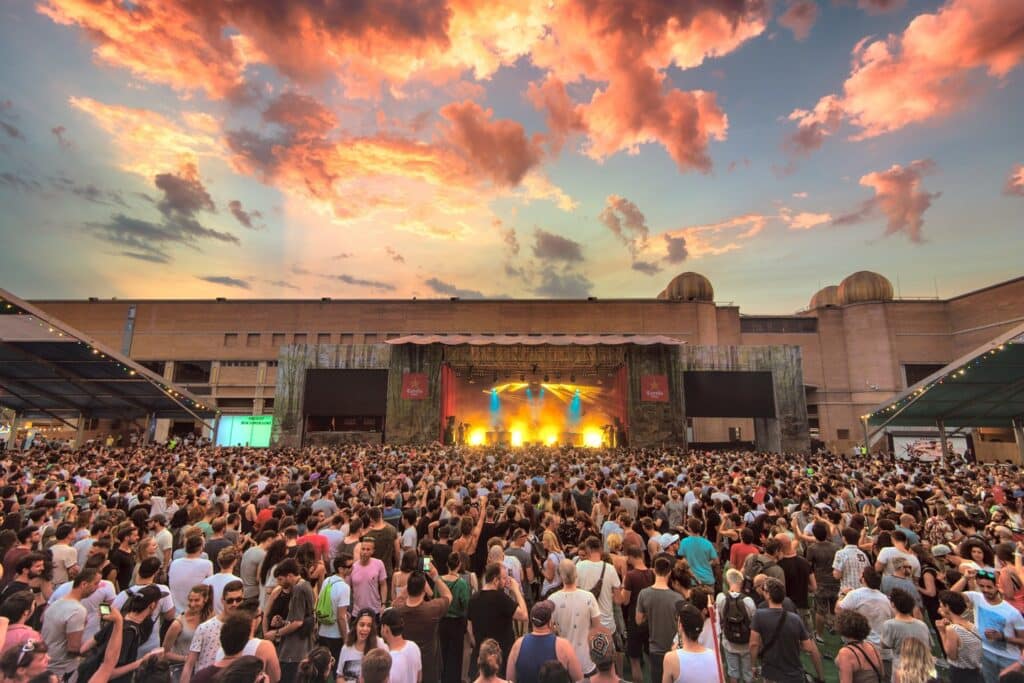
(874,606)
(104,593)
(588,574)
(186,573)
(1004,618)
(573,613)
(164,541)
(334,537)
(887,555)
(217,583)
(163,606)
(409,538)
(341,598)
(406,664)
(350,663)
(64,558)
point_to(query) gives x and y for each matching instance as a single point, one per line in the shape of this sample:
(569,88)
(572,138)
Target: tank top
(180,646)
(548,586)
(534,651)
(248,651)
(968,656)
(697,667)
(865,673)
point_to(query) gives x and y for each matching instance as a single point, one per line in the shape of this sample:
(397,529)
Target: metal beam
(41,392)
(36,407)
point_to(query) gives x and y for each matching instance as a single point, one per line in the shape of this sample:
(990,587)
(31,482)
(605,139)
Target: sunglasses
(986,574)
(29,647)
(233,601)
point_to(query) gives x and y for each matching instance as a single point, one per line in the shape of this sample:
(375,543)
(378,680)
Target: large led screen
(712,393)
(245,430)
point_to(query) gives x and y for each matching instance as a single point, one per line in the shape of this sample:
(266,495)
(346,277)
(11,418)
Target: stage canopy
(50,370)
(537,340)
(984,388)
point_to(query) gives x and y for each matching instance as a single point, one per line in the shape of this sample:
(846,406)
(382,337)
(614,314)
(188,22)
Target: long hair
(316,666)
(917,665)
(371,640)
(206,611)
(275,553)
(489,660)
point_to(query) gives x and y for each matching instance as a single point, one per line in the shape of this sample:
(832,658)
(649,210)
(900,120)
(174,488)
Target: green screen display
(245,430)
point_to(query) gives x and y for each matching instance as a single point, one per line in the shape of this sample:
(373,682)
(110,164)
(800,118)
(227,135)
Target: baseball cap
(941,550)
(541,613)
(665,540)
(602,650)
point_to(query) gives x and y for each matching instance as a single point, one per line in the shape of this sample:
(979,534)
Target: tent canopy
(984,388)
(537,340)
(49,369)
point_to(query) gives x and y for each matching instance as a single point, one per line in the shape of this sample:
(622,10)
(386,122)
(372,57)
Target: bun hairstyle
(691,621)
(489,660)
(316,665)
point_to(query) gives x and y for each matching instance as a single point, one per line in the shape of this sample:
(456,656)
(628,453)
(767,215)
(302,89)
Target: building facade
(859,344)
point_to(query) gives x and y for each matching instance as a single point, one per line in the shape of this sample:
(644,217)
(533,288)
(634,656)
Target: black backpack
(736,620)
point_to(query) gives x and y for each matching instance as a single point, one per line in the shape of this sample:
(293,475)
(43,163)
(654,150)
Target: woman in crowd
(692,662)
(362,637)
(22,664)
(555,554)
(959,638)
(858,660)
(277,551)
(317,667)
(916,665)
(489,662)
(179,633)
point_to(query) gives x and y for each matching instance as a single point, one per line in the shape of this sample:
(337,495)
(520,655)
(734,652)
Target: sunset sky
(508,148)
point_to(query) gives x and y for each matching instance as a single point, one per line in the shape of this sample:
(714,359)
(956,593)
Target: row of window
(254,339)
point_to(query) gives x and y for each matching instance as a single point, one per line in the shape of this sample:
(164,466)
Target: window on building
(369,339)
(271,363)
(915,372)
(154,366)
(268,405)
(252,339)
(192,371)
(843,434)
(812,423)
(812,408)
(323,338)
(392,335)
(347,338)
(231,339)
(234,403)
(772,325)
(299,338)
(199,389)
(277,339)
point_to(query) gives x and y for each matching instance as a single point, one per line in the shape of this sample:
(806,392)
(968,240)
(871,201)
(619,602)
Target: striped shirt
(851,561)
(968,655)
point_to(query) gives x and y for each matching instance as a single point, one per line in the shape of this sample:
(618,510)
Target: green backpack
(325,612)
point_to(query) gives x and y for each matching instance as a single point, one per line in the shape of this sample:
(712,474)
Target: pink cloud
(498,149)
(799,17)
(899,196)
(924,72)
(1015,181)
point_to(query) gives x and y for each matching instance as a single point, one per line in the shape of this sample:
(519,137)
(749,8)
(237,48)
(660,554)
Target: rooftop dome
(689,287)
(864,286)
(826,296)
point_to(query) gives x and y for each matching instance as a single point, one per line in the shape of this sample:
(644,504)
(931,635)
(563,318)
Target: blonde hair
(551,540)
(734,577)
(489,660)
(614,543)
(917,665)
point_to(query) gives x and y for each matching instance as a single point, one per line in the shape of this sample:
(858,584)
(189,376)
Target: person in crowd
(850,562)
(369,579)
(777,637)
(998,623)
(234,635)
(376,667)
(333,623)
(362,638)
(916,663)
(293,632)
(903,625)
(540,645)
(16,609)
(64,625)
(821,555)
(147,577)
(657,606)
(494,609)
(423,619)
(692,662)
(735,612)
(490,662)
(406,663)
(188,571)
(576,614)
(857,660)
(202,651)
(227,559)
(699,552)
(179,634)
(870,602)
(453,626)
(961,643)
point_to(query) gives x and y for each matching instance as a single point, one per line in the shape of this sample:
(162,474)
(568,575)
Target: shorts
(738,666)
(637,641)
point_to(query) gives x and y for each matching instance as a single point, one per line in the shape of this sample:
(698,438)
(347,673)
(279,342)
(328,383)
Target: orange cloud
(799,17)
(1015,181)
(499,150)
(803,220)
(714,239)
(899,196)
(923,73)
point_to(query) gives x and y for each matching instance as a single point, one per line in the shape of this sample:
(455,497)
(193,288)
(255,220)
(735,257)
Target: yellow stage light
(517,438)
(592,438)
(551,439)
(477,437)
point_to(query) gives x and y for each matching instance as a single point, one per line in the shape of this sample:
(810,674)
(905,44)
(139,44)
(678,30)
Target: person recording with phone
(423,618)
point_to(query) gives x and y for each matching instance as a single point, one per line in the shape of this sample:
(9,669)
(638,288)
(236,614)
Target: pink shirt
(365,582)
(19,634)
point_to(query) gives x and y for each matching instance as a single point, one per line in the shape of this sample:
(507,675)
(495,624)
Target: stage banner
(654,388)
(414,386)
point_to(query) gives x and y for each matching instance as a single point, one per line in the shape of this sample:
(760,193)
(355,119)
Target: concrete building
(859,344)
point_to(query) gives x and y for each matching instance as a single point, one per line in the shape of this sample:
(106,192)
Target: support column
(942,439)
(867,435)
(767,434)
(216,428)
(1018,435)
(80,431)
(14,430)
(147,437)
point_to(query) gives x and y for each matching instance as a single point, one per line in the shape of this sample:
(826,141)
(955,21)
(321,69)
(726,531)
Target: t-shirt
(780,662)
(906,585)
(365,581)
(850,561)
(422,624)
(636,581)
(658,605)
(334,537)
(122,562)
(384,546)
(874,606)
(821,555)
(296,645)
(217,583)
(64,558)
(164,542)
(341,598)
(213,548)
(184,574)
(895,632)
(574,611)
(1003,617)
(206,642)
(350,663)
(405,664)
(249,569)
(491,613)
(739,552)
(62,617)
(588,573)
(699,554)
(409,538)
(798,577)
(887,555)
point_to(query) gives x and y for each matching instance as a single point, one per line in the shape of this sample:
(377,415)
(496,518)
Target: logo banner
(654,388)
(414,386)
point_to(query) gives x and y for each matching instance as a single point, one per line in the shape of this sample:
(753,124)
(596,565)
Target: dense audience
(420,564)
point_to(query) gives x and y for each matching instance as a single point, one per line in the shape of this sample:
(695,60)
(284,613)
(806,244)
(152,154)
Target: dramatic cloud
(441,287)
(898,196)
(302,114)
(803,220)
(58,133)
(551,247)
(395,256)
(928,71)
(1015,182)
(225,280)
(626,221)
(6,126)
(244,217)
(566,284)
(184,193)
(799,17)
(564,117)
(500,150)
(675,248)
(359,282)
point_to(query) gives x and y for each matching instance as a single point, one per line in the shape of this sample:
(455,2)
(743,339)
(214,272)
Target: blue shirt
(699,554)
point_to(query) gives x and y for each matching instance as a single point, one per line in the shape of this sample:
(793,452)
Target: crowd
(428,564)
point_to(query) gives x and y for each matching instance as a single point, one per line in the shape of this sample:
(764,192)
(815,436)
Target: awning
(984,388)
(49,369)
(537,340)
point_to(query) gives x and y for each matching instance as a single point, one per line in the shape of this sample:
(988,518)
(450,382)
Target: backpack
(736,620)
(754,565)
(324,610)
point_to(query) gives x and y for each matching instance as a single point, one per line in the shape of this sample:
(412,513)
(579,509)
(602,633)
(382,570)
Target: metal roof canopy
(49,369)
(984,388)
(537,340)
